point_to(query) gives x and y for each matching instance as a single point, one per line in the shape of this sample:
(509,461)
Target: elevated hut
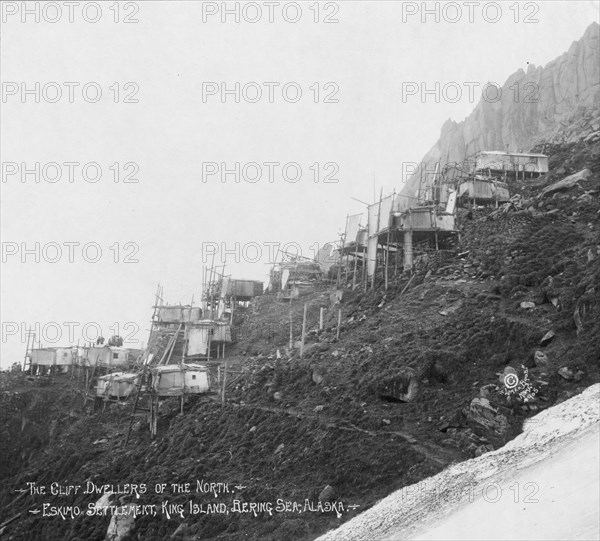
(107,358)
(116,386)
(180,379)
(52,359)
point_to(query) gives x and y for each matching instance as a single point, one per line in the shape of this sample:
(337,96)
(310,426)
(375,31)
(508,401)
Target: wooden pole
(224,385)
(303,330)
(182,387)
(339,269)
(291,331)
(355,263)
(406,286)
(154,416)
(387,258)
(27,348)
(408,251)
(137,397)
(339,323)
(209,340)
(321,311)
(363,279)
(210,285)
(377,233)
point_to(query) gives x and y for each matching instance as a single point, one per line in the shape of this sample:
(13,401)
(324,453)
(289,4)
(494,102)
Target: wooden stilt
(363,279)
(408,249)
(291,331)
(224,385)
(182,387)
(355,264)
(387,258)
(137,398)
(303,330)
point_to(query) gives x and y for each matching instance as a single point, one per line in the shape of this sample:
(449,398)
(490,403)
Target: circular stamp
(511,381)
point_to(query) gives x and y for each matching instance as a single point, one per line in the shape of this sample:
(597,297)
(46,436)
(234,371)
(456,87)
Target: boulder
(484,418)
(507,370)
(327,494)
(486,390)
(566,183)
(540,359)
(566,373)
(547,338)
(527,305)
(457,420)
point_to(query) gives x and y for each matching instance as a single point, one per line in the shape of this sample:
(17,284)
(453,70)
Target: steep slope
(533,488)
(556,103)
(342,414)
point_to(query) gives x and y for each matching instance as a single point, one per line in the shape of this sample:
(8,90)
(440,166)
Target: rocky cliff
(556,103)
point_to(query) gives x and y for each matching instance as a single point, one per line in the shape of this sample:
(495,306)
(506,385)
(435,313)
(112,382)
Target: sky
(134,110)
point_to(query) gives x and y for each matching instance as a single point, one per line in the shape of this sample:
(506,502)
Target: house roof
(128,377)
(165,368)
(55,348)
(500,152)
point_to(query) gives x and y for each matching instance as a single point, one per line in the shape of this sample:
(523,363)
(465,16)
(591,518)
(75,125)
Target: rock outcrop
(555,103)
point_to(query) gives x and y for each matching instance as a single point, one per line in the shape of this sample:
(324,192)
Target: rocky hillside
(559,102)
(413,384)
(543,459)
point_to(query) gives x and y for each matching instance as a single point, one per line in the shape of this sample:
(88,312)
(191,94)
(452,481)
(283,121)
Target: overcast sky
(161,110)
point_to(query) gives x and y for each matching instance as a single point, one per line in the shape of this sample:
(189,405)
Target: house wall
(105,356)
(115,388)
(244,288)
(43,357)
(421,219)
(171,383)
(196,382)
(512,162)
(479,189)
(198,340)
(64,356)
(445,222)
(222,333)
(179,314)
(168,383)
